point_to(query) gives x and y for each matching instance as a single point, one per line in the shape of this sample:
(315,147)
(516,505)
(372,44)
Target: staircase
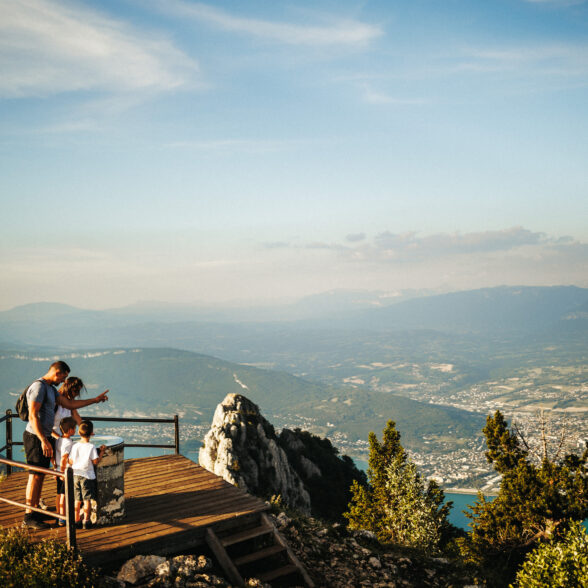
(257,551)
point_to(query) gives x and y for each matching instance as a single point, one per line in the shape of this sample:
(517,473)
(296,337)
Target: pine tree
(396,505)
(537,501)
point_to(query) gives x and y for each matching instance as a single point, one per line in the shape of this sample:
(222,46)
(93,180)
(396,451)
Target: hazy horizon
(251,154)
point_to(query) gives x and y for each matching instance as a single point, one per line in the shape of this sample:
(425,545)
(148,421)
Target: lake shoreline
(470,491)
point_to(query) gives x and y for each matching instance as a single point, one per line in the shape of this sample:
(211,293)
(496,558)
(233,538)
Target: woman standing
(71,389)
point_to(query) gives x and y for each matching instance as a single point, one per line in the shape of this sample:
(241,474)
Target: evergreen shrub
(557,564)
(47,564)
(396,504)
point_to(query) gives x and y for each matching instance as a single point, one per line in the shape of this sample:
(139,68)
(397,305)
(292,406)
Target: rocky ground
(336,556)
(333,556)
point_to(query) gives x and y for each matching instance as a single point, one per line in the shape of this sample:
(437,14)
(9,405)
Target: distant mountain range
(522,309)
(331,358)
(490,311)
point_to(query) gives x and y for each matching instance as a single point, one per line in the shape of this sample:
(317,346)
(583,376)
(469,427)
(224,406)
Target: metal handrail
(67,476)
(10,443)
(175,420)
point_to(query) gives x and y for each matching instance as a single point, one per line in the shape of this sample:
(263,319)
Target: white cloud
(355,237)
(55,47)
(373,96)
(412,248)
(557,2)
(112,274)
(234,145)
(337,32)
(546,60)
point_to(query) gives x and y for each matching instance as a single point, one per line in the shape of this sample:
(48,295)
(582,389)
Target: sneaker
(61,523)
(42,504)
(87,525)
(32,522)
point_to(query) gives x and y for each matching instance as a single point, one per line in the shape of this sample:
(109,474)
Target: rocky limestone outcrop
(242,447)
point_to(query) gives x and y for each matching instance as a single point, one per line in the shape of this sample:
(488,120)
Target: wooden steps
(257,555)
(258,531)
(258,551)
(282,572)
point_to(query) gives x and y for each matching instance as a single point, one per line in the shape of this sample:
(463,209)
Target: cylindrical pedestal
(110,476)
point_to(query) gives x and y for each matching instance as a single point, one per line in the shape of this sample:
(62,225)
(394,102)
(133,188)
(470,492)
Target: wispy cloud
(456,260)
(355,237)
(556,60)
(49,47)
(556,2)
(373,96)
(410,246)
(234,145)
(389,247)
(338,31)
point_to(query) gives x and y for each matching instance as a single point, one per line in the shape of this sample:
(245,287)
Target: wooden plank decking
(170,502)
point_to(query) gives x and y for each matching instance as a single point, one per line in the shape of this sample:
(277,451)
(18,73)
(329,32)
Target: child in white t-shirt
(63,447)
(82,458)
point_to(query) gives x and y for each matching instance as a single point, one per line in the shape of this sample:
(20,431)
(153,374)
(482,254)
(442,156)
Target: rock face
(242,447)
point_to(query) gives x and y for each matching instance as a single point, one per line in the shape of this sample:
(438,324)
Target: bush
(24,564)
(558,564)
(396,504)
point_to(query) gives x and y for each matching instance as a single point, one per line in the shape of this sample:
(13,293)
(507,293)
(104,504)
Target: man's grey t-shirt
(46,394)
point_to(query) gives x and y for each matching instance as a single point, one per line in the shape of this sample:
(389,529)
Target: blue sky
(252,152)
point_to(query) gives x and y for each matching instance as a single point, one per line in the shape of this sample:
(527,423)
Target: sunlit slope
(169,381)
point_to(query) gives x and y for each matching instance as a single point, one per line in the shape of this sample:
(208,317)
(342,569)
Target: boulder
(139,569)
(242,447)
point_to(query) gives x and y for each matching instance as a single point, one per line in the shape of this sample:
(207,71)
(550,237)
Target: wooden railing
(67,476)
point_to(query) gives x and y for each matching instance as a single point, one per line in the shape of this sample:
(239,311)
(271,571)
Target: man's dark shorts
(34,450)
(84,489)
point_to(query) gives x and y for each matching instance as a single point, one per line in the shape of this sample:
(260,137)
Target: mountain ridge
(379,309)
(169,381)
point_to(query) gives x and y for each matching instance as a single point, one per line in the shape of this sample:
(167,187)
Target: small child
(83,457)
(63,447)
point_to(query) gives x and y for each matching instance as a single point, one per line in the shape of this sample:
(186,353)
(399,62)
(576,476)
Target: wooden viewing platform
(173,506)
(170,504)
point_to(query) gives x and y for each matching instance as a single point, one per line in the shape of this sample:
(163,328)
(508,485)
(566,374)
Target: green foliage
(46,564)
(330,490)
(504,449)
(536,502)
(558,564)
(396,505)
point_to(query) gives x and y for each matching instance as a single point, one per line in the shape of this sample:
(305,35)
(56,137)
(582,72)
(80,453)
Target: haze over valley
(464,356)
(349,211)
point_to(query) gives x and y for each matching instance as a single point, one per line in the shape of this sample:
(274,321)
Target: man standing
(42,399)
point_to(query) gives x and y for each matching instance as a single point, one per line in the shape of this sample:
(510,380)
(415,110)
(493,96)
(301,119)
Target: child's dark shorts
(84,489)
(60,486)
